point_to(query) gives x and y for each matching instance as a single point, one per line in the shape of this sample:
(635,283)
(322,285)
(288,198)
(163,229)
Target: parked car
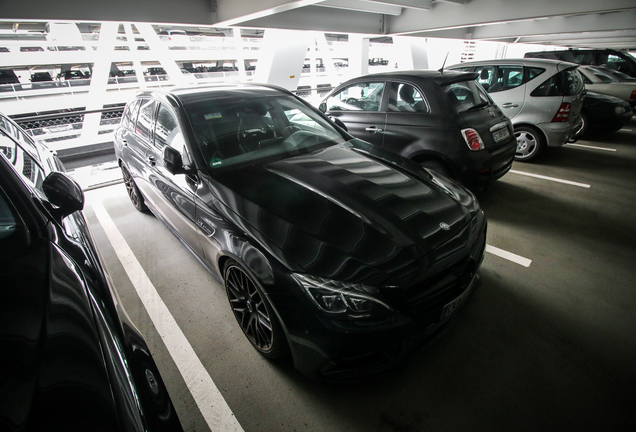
(42,80)
(155,74)
(443,121)
(343,254)
(609,58)
(603,113)
(543,98)
(74,78)
(599,81)
(70,359)
(9,80)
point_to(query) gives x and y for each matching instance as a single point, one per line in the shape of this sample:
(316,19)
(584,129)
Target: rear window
(465,95)
(564,83)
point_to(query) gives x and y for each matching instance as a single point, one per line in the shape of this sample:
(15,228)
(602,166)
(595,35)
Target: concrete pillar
(411,53)
(282,57)
(359,55)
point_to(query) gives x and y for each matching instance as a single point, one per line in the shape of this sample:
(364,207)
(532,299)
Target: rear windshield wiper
(476,107)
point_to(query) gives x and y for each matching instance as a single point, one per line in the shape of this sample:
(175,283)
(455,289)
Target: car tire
(253,312)
(438,166)
(136,198)
(530,143)
(585,125)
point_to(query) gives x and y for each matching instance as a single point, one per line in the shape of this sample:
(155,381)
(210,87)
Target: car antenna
(441,70)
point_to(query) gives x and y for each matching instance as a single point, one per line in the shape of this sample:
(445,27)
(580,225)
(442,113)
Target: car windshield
(467,95)
(246,131)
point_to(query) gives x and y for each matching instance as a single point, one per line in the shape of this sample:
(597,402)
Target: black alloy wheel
(133,192)
(253,312)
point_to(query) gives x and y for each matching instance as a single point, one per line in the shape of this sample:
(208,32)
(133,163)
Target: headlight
(342,298)
(620,110)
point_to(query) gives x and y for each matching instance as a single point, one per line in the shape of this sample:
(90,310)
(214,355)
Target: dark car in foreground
(343,254)
(71,360)
(603,113)
(440,120)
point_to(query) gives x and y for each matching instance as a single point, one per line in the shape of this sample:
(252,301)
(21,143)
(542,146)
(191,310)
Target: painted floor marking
(591,147)
(625,130)
(210,401)
(568,182)
(509,256)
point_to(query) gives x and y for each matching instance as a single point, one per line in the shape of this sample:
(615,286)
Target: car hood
(340,213)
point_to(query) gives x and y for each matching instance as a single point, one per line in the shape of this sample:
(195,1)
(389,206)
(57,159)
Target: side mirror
(338,123)
(173,162)
(323,107)
(63,192)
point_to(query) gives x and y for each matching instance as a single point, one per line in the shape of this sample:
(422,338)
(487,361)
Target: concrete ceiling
(573,23)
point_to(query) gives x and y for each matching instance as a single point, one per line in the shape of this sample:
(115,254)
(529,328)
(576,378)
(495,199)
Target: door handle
(509,105)
(374,130)
(152,160)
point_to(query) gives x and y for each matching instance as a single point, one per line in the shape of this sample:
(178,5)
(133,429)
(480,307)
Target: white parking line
(211,403)
(509,256)
(568,182)
(591,147)
(625,130)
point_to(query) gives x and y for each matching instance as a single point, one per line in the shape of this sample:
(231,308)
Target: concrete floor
(550,347)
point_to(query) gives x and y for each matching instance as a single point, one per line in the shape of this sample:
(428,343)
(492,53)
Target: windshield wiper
(476,107)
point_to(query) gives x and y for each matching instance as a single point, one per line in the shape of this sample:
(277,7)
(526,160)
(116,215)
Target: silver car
(542,98)
(601,81)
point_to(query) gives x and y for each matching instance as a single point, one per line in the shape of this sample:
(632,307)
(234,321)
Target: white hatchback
(542,98)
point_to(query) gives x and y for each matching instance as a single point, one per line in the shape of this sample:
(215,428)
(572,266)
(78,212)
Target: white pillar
(411,53)
(359,55)
(282,57)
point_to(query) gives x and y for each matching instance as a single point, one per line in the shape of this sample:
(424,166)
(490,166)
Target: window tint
(127,119)
(167,130)
(406,98)
(466,95)
(508,77)
(358,97)
(534,72)
(144,121)
(28,167)
(564,83)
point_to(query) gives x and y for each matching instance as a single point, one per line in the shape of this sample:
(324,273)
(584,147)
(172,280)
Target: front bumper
(357,350)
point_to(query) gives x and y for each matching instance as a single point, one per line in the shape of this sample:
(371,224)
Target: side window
(406,98)
(28,167)
(534,72)
(510,76)
(144,121)
(167,130)
(365,96)
(486,76)
(127,118)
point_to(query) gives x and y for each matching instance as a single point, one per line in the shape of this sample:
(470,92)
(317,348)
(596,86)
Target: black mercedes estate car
(335,251)
(443,120)
(71,360)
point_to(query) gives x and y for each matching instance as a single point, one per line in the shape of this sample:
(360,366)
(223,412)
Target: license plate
(452,307)
(501,134)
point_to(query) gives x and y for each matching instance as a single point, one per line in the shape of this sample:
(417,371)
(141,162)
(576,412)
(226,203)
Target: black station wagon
(442,120)
(340,253)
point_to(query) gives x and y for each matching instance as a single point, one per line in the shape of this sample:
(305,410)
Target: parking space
(548,342)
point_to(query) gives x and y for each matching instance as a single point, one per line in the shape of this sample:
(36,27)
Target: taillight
(633,96)
(473,139)
(563,114)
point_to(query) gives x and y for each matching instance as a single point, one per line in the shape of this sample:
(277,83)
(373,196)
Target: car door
(360,107)
(505,87)
(172,195)
(411,126)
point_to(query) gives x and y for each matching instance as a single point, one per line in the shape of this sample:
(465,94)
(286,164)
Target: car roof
(516,62)
(186,95)
(440,77)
